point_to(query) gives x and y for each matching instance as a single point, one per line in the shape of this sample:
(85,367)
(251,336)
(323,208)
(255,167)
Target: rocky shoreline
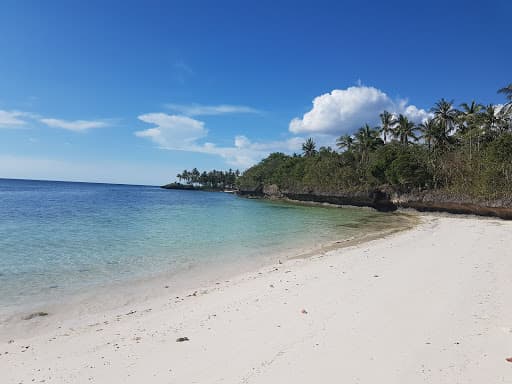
(386,200)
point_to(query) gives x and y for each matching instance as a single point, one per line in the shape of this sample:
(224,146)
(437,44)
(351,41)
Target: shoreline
(425,305)
(385,201)
(117,296)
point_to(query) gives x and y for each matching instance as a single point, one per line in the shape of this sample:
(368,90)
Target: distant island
(225,181)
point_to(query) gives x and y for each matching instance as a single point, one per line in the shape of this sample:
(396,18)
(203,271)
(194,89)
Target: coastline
(117,296)
(424,305)
(388,200)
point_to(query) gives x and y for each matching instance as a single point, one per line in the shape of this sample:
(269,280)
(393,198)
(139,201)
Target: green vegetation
(466,151)
(212,180)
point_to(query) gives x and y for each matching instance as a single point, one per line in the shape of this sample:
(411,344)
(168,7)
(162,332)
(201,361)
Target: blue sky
(136,91)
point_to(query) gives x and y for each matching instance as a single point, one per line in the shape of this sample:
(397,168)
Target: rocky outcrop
(386,199)
(444,202)
(378,199)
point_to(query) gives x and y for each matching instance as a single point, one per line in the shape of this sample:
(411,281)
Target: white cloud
(175,132)
(345,110)
(416,114)
(198,109)
(74,125)
(172,131)
(12,119)
(245,153)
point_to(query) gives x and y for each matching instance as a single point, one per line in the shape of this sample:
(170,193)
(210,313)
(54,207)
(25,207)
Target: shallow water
(59,238)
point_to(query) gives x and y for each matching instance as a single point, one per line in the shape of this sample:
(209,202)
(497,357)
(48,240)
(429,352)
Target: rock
(35,314)
(304,312)
(182,339)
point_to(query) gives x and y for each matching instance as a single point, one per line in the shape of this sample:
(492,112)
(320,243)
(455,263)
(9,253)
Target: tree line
(212,179)
(466,149)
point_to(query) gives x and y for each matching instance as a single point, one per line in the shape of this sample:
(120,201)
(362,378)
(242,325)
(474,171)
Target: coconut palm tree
(404,129)
(367,139)
(309,147)
(507,91)
(429,132)
(490,119)
(505,118)
(445,115)
(507,108)
(345,142)
(469,113)
(469,121)
(185,175)
(386,124)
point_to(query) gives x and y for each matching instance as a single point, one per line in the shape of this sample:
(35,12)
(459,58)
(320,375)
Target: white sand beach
(428,305)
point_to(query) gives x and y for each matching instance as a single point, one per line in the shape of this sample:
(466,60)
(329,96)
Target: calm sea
(58,238)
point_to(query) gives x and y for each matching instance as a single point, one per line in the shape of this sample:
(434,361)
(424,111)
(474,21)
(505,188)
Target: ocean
(62,238)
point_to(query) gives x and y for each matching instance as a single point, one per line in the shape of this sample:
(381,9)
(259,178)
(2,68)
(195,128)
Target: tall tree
(507,91)
(345,142)
(386,124)
(367,139)
(404,129)
(429,132)
(445,115)
(309,147)
(490,119)
(470,116)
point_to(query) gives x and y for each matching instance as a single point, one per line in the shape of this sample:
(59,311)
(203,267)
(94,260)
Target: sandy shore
(430,305)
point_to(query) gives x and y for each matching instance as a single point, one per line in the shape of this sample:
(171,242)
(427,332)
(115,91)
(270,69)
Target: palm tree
(430,132)
(507,91)
(470,115)
(490,119)
(309,147)
(345,142)
(404,129)
(445,115)
(386,124)
(504,117)
(185,175)
(367,139)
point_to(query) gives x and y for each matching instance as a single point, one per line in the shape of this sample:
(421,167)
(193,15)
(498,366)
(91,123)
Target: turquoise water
(58,238)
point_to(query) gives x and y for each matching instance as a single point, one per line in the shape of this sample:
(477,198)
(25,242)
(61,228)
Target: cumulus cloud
(345,110)
(12,119)
(198,109)
(415,114)
(176,132)
(74,125)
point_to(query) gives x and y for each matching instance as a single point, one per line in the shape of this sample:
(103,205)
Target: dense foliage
(466,150)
